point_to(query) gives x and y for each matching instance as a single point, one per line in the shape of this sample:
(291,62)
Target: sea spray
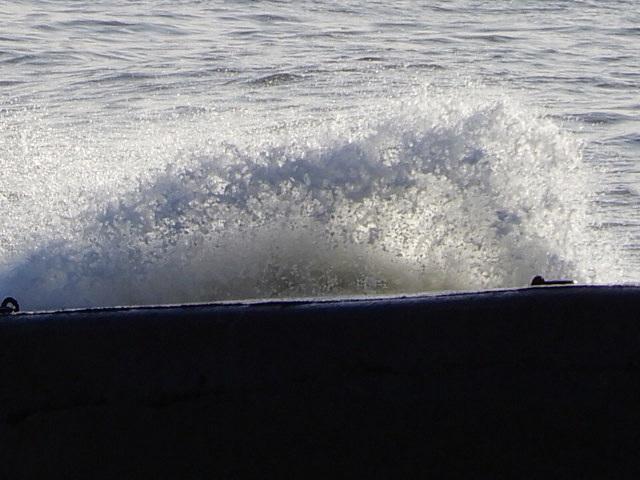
(430,191)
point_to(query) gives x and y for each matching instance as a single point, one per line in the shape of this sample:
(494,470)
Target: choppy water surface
(161,152)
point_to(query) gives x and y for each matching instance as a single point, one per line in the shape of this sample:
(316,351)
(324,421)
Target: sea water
(185,151)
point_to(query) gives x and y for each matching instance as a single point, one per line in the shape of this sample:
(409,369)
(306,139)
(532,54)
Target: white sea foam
(430,191)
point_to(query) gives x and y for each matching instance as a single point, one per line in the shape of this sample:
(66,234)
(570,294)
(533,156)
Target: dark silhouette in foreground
(532,383)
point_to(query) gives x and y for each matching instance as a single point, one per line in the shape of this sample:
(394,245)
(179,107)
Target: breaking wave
(428,192)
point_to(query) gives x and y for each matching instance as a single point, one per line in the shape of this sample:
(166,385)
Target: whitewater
(175,152)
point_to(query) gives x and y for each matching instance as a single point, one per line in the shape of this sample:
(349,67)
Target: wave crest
(433,192)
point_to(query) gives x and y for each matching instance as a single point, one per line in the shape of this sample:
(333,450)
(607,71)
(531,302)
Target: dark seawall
(533,383)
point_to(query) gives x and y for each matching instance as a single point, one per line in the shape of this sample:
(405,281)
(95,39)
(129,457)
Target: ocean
(157,151)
